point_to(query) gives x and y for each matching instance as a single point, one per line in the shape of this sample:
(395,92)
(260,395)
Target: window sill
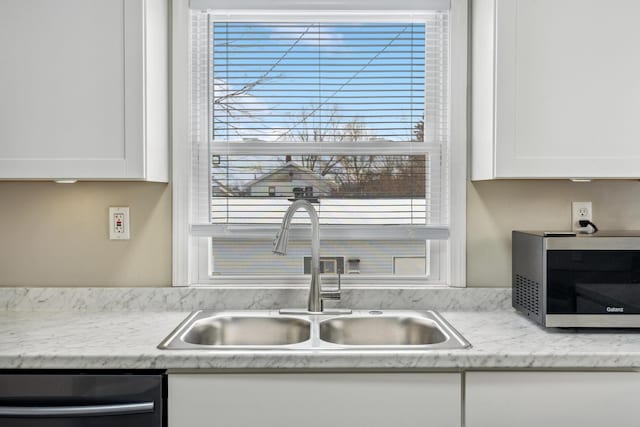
(364,283)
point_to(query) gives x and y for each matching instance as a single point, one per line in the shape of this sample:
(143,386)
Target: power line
(380,52)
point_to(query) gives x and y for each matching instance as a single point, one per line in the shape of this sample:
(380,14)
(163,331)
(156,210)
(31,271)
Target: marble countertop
(127,340)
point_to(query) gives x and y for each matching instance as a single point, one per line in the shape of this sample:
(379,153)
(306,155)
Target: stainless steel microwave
(564,280)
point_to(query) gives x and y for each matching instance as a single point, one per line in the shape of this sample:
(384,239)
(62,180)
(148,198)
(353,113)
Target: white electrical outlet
(580,211)
(119,224)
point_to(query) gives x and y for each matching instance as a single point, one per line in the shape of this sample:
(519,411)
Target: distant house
(218,189)
(290,180)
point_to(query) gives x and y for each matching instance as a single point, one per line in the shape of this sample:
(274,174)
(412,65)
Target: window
(349,110)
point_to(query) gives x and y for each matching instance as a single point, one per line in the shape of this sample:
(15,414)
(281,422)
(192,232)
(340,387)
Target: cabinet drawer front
(534,399)
(315,400)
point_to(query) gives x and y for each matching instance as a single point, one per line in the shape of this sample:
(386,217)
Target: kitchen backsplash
(56,235)
(495,208)
(196,298)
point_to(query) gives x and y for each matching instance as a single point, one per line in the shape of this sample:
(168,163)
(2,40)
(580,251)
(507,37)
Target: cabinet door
(534,399)
(314,400)
(567,88)
(71,85)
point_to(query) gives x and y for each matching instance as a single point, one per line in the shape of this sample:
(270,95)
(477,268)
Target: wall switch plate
(580,211)
(119,223)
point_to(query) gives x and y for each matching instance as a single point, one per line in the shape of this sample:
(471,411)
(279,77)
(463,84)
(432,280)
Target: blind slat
(301,232)
(379,147)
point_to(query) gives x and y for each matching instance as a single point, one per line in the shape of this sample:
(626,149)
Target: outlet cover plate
(580,211)
(119,231)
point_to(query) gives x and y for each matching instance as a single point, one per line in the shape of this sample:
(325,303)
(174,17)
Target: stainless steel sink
(382,330)
(358,330)
(247,330)
(238,329)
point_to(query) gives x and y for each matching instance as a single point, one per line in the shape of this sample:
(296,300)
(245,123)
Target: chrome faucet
(316,295)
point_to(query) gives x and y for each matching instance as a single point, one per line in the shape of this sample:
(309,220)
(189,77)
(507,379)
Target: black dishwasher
(87,399)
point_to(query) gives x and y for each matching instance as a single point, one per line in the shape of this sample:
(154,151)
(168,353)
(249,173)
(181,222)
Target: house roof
(223,187)
(290,164)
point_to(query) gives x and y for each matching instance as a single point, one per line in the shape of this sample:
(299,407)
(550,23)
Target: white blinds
(318,82)
(351,115)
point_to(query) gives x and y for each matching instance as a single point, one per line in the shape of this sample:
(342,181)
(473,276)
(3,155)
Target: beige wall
(57,234)
(495,208)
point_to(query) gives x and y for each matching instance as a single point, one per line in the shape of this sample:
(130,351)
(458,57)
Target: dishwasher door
(82,399)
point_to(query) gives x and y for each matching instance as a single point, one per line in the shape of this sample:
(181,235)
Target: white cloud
(310,34)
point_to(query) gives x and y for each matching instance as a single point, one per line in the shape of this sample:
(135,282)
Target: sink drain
(375,312)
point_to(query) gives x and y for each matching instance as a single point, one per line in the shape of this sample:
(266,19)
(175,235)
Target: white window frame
(191,261)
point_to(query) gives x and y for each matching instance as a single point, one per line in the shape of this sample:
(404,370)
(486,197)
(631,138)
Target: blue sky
(370,73)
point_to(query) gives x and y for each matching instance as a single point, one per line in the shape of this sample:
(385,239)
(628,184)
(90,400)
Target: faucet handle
(332,294)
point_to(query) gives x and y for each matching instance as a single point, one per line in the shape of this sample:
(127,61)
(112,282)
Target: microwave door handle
(76,411)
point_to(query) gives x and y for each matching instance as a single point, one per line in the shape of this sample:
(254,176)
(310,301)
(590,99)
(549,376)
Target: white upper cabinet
(84,89)
(556,89)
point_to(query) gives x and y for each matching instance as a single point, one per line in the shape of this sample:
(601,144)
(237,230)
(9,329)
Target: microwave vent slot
(527,294)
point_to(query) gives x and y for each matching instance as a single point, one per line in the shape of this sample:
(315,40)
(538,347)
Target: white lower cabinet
(315,400)
(552,399)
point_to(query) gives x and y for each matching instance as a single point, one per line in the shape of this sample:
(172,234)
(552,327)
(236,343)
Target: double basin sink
(272,330)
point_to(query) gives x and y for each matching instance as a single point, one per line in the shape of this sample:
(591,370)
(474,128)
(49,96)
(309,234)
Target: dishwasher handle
(76,410)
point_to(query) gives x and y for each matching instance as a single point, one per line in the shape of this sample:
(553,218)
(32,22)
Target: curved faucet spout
(282,240)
